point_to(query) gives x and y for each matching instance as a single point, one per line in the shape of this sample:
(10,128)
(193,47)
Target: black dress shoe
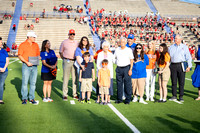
(164,101)
(160,101)
(1,102)
(126,102)
(117,102)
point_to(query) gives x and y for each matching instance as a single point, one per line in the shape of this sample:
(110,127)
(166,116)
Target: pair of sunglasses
(138,48)
(105,64)
(72,34)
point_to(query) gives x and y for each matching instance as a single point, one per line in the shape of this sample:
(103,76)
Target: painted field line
(177,102)
(13,61)
(126,121)
(188,79)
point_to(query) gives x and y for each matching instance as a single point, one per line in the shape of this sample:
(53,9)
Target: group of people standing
(136,69)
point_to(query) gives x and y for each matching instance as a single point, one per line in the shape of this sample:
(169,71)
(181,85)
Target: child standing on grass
(86,77)
(104,81)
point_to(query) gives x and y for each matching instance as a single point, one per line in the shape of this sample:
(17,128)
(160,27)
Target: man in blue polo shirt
(130,42)
(179,53)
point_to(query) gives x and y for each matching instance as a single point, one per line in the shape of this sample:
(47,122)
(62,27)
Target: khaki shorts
(165,74)
(104,90)
(86,85)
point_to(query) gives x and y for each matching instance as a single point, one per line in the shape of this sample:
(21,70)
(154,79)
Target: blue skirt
(196,77)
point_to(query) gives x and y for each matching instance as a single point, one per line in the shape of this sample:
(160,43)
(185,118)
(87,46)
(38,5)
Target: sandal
(197,99)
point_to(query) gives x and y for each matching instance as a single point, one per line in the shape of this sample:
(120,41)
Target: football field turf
(61,116)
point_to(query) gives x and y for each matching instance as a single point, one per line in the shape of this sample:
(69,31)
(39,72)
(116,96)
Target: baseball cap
(31,34)
(130,36)
(71,31)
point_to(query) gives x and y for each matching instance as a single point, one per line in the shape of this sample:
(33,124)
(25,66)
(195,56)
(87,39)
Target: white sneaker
(45,100)
(135,99)
(49,99)
(152,99)
(142,101)
(123,97)
(147,99)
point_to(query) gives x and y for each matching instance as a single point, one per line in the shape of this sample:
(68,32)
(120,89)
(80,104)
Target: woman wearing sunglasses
(139,72)
(164,71)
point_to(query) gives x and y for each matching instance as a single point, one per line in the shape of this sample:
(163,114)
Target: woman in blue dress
(49,68)
(139,74)
(196,74)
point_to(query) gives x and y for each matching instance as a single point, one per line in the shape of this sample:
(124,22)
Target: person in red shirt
(37,20)
(14,27)
(31,4)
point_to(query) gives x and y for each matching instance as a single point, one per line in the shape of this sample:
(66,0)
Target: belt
(123,66)
(69,59)
(176,63)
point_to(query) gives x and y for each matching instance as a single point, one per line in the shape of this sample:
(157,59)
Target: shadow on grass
(195,124)
(173,127)
(17,82)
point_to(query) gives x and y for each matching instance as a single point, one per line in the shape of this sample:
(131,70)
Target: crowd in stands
(29,27)
(67,9)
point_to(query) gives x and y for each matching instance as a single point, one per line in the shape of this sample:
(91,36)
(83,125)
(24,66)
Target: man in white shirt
(124,61)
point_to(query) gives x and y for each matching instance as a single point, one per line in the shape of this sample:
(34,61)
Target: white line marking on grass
(126,121)
(188,79)
(13,61)
(72,102)
(178,102)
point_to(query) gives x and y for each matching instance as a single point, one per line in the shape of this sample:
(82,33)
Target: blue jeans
(2,81)
(28,72)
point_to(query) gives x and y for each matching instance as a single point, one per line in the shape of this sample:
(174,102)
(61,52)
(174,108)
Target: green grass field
(60,116)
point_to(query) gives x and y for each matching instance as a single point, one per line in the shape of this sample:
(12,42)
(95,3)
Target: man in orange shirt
(28,49)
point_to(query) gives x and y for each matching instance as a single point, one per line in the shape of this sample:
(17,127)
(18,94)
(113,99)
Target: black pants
(122,77)
(177,74)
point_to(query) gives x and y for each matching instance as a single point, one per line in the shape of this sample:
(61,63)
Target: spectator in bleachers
(31,4)
(14,27)
(139,72)
(36,20)
(24,16)
(13,4)
(4,61)
(43,13)
(14,48)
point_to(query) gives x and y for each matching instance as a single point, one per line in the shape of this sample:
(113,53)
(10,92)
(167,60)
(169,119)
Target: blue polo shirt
(88,70)
(80,52)
(50,59)
(139,68)
(3,56)
(132,46)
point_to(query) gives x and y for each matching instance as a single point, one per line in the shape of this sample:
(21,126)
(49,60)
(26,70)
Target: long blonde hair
(153,48)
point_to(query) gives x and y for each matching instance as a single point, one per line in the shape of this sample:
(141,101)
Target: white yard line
(126,121)
(177,102)
(13,61)
(188,79)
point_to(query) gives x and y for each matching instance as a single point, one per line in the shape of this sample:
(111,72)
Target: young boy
(104,81)
(86,77)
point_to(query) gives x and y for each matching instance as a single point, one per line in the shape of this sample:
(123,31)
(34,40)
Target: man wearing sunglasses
(67,52)
(124,61)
